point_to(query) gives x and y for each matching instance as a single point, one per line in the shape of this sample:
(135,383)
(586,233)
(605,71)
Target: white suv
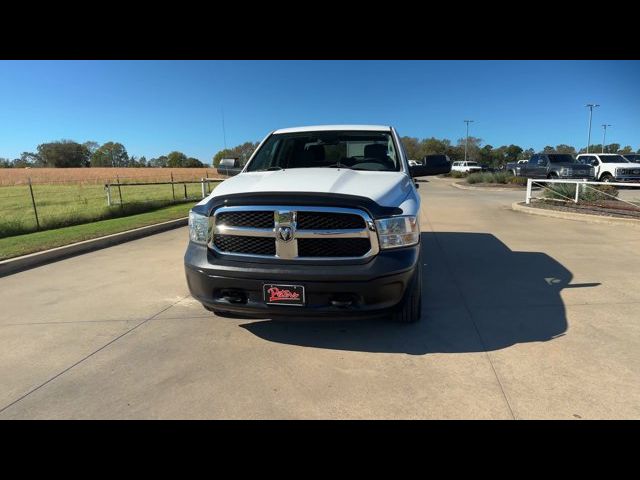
(611,167)
(466,167)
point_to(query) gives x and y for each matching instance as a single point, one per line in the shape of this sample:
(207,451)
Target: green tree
(562,148)
(110,154)
(627,149)
(548,149)
(159,162)
(5,163)
(176,159)
(412,147)
(63,154)
(194,163)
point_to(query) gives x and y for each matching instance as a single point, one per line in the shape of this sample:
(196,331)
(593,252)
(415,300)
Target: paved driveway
(525,317)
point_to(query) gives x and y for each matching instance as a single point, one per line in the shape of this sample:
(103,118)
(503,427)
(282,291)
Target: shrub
(487,177)
(454,174)
(588,193)
(516,180)
(474,178)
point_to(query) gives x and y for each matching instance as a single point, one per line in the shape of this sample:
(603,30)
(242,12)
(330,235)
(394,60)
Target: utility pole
(591,107)
(466,143)
(604,135)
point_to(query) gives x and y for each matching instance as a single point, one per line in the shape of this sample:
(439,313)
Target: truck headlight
(397,232)
(198,228)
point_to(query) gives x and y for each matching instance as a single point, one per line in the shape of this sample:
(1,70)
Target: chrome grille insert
(294,233)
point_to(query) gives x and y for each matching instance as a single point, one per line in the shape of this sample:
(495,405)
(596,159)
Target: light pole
(466,142)
(604,135)
(591,106)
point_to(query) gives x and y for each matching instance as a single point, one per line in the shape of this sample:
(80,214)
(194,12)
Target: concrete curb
(581,217)
(462,186)
(18,264)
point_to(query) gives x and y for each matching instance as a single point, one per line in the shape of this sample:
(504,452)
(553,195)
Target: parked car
(437,159)
(487,168)
(555,165)
(514,167)
(322,222)
(466,167)
(611,167)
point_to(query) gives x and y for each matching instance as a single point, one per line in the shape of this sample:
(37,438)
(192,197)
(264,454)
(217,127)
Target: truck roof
(320,128)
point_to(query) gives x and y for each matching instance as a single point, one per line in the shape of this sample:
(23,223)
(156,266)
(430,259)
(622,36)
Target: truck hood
(632,166)
(384,188)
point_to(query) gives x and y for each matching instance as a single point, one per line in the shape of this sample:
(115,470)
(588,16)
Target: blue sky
(154,107)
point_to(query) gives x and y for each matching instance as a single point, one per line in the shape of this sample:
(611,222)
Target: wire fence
(620,199)
(31,207)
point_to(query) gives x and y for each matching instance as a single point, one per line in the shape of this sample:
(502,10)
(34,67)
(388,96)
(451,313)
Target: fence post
(33,202)
(185,191)
(119,190)
(108,187)
(528,196)
(203,193)
(173,190)
(577,192)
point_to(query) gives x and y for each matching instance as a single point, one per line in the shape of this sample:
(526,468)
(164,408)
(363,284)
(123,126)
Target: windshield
(635,158)
(360,150)
(561,158)
(613,159)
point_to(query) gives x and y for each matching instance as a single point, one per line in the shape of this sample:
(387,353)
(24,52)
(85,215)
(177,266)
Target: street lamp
(604,135)
(591,107)
(467,139)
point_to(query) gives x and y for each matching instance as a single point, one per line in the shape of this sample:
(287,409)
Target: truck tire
(607,177)
(552,176)
(410,310)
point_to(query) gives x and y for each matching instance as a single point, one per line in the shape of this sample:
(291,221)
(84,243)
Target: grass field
(35,242)
(61,204)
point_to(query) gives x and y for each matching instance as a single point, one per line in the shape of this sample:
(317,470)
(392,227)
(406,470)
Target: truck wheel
(552,176)
(410,310)
(607,177)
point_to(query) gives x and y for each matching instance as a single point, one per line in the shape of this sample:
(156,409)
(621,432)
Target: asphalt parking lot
(524,317)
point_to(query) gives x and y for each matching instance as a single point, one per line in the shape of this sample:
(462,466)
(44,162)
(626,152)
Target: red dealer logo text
(277,294)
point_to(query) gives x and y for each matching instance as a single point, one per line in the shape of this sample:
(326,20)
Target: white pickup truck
(611,167)
(322,222)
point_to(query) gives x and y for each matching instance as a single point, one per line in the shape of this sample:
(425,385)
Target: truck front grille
(333,247)
(294,233)
(328,221)
(245,245)
(260,219)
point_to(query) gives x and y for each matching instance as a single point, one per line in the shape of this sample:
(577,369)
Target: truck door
(542,167)
(529,169)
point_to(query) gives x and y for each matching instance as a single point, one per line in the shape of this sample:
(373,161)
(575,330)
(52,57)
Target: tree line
(67,154)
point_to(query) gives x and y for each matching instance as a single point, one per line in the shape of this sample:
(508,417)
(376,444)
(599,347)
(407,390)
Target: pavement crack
(110,342)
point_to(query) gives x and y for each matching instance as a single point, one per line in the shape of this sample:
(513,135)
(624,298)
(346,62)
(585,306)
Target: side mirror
(430,166)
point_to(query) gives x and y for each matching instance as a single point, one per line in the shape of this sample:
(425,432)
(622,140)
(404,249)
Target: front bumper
(334,291)
(627,179)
